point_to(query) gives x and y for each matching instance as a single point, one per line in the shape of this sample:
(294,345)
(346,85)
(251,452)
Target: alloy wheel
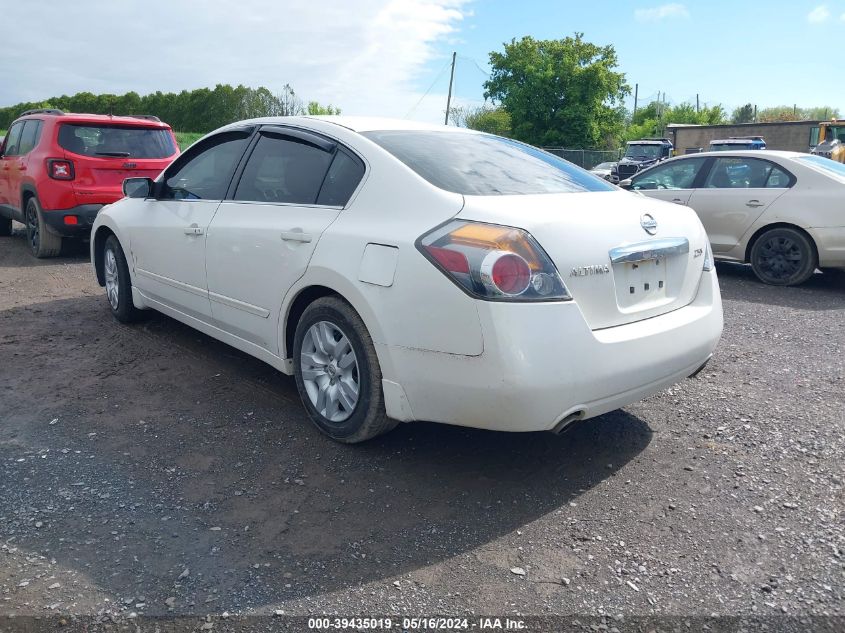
(112,279)
(329,371)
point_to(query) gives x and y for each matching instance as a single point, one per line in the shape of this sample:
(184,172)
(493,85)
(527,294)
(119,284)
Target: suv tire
(42,242)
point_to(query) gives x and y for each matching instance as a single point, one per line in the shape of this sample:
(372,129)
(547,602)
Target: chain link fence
(586,158)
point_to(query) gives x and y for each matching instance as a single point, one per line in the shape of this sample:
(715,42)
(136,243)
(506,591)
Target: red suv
(57,170)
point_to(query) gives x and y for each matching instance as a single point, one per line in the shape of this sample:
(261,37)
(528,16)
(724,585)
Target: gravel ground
(151,470)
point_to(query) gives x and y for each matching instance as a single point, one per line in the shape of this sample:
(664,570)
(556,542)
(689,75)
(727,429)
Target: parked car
(639,155)
(781,212)
(603,170)
(736,143)
(408,272)
(57,170)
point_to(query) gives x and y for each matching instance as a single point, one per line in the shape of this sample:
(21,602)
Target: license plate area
(641,282)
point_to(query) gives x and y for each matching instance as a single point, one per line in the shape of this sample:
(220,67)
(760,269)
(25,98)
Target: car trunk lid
(623,257)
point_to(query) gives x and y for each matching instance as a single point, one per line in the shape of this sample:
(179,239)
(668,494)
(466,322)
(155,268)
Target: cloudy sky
(390,57)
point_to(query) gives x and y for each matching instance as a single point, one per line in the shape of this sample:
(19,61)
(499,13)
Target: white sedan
(411,272)
(782,212)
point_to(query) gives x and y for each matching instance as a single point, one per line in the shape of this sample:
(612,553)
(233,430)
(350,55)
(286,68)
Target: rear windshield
(825,164)
(483,164)
(120,141)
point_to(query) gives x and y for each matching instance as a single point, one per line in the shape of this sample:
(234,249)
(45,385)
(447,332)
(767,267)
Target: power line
(436,79)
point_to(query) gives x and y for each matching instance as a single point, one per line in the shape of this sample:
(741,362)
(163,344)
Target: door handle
(194,229)
(754,204)
(678,201)
(296,236)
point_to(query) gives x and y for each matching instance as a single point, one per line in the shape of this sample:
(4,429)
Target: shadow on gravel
(823,291)
(167,455)
(17,253)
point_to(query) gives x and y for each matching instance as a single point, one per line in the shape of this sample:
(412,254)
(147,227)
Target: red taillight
(71,220)
(453,261)
(493,262)
(509,273)
(60,169)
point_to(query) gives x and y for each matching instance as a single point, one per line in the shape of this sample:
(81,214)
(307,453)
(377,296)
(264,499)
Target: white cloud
(842,17)
(665,11)
(818,15)
(364,56)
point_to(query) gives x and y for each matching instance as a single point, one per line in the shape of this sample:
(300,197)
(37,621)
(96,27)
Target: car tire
(118,282)
(42,242)
(5,227)
(337,372)
(783,257)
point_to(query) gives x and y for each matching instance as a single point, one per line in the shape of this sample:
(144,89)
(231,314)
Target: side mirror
(137,187)
(625,184)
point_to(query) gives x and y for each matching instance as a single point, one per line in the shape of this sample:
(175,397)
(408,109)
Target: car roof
(73,117)
(359,124)
(742,153)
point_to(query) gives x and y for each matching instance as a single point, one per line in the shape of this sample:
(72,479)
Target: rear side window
(29,137)
(205,171)
(483,164)
(342,180)
(13,139)
(121,141)
(745,173)
(283,170)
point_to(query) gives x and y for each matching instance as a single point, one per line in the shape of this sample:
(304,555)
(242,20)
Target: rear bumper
(830,242)
(85,215)
(541,363)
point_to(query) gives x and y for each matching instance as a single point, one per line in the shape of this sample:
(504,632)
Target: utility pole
(696,103)
(755,113)
(636,93)
(451,80)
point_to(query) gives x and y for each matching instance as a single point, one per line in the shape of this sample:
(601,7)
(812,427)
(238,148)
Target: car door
(291,188)
(735,192)
(10,168)
(168,232)
(672,181)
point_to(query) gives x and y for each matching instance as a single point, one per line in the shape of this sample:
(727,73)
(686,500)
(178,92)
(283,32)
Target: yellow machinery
(828,140)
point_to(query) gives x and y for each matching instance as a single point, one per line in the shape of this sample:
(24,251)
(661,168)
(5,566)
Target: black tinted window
(483,164)
(283,169)
(13,139)
(29,136)
(104,141)
(204,172)
(343,177)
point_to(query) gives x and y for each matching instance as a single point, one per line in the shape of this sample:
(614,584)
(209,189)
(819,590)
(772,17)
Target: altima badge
(648,223)
(583,271)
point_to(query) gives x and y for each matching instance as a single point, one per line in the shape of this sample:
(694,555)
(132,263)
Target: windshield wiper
(118,154)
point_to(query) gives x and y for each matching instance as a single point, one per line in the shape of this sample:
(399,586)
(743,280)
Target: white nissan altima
(406,272)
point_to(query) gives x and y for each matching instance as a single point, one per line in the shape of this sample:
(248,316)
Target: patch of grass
(186,139)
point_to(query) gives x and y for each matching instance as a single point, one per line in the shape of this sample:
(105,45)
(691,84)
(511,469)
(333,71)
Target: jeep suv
(58,170)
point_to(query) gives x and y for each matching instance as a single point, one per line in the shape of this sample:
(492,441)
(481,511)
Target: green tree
(558,92)
(316,108)
(743,114)
(485,118)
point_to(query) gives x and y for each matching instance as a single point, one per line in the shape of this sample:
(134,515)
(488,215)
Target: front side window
(120,141)
(679,174)
(13,139)
(745,173)
(205,171)
(283,170)
(483,164)
(29,136)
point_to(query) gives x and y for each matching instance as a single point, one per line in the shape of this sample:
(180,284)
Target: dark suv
(57,170)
